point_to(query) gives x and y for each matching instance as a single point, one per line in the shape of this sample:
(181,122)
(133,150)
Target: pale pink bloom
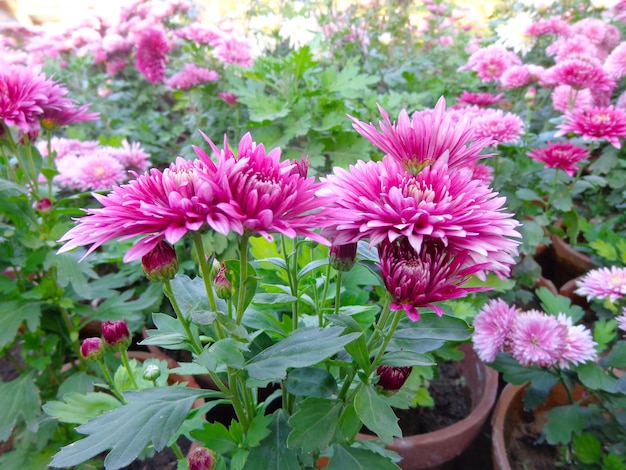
(603,283)
(97,171)
(492,326)
(579,344)
(263,194)
(491,62)
(553,25)
(191,76)
(479,99)
(420,140)
(615,63)
(64,147)
(234,50)
(562,155)
(518,76)
(621,101)
(537,339)
(419,279)
(621,320)
(565,98)
(199,33)
(381,201)
(572,46)
(113,42)
(594,29)
(115,66)
(596,123)
(445,41)
(483,173)
(581,74)
(131,156)
(151,54)
(502,127)
(612,38)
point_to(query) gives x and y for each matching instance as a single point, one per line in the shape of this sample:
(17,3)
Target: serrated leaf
(78,408)
(513,372)
(19,402)
(555,304)
(594,378)
(376,414)
(150,416)
(311,382)
(70,271)
(169,334)
(221,354)
(563,422)
(588,448)
(13,314)
(345,457)
(217,435)
(314,424)
(190,294)
(305,347)
(273,452)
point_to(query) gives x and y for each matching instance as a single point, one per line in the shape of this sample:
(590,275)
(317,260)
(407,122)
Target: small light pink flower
(490,62)
(191,76)
(576,46)
(596,123)
(479,99)
(492,326)
(131,156)
(515,76)
(615,63)
(594,29)
(582,74)
(621,320)
(603,283)
(537,339)
(561,155)
(565,98)
(96,172)
(553,25)
(579,344)
(500,126)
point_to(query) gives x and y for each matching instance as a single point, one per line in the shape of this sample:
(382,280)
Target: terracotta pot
(571,260)
(435,448)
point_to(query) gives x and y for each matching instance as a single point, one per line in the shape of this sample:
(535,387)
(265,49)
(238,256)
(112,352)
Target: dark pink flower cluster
(562,155)
(152,49)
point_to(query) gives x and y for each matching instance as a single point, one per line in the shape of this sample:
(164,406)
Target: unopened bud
(116,334)
(343,257)
(151,372)
(223,286)
(44,205)
(301,167)
(161,263)
(392,378)
(92,348)
(201,459)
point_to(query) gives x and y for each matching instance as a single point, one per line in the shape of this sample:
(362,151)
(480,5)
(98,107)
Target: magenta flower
(479,99)
(561,155)
(191,76)
(92,348)
(615,63)
(492,326)
(537,339)
(161,263)
(424,138)
(497,125)
(580,74)
(419,279)
(343,257)
(157,205)
(579,344)
(201,458)
(379,201)
(151,54)
(596,123)
(115,333)
(603,283)
(264,194)
(390,378)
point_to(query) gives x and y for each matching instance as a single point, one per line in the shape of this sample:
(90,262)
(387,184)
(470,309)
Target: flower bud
(92,348)
(301,167)
(343,257)
(392,378)
(43,205)
(201,459)
(161,263)
(151,372)
(223,287)
(116,334)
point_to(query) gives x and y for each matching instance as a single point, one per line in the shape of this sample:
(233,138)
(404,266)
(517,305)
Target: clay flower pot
(435,448)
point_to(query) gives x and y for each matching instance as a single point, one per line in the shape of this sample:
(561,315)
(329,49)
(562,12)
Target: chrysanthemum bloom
(572,46)
(343,257)
(229,98)
(603,283)
(582,74)
(151,54)
(92,348)
(561,155)
(483,173)
(380,201)
(419,279)
(115,333)
(234,50)
(492,326)
(299,30)
(263,194)
(94,172)
(500,126)
(513,34)
(201,458)
(57,117)
(565,98)
(537,339)
(191,76)
(419,141)
(390,378)
(131,156)
(553,25)
(157,205)
(491,61)
(596,123)
(615,63)
(621,320)
(223,287)
(515,76)
(479,99)
(594,29)
(579,344)
(161,263)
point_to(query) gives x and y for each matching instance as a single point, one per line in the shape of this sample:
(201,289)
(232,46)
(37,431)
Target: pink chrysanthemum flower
(596,123)
(621,320)
(199,33)
(615,63)
(131,156)
(479,99)
(594,29)
(553,25)
(500,126)
(229,98)
(537,339)
(490,62)
(516,76)
(565,98)
(492,326)
(265,194)
(152,48)
(191,76)
(424,138)
(380,201)
(234,50)
(572,46)
(418,279)
(579,344)
(157,205)
(483,173)
(93,172)
(561,155)
(581,74)
(603,283)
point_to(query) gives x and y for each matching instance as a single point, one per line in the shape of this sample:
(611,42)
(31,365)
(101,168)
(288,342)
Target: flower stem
(320,312)
(243,276)
(179,453)
(109,379)
(204,268)
(128,369)
(338,292)
(167,288)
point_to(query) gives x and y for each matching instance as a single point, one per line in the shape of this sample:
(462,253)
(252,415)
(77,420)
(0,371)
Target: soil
(527,450)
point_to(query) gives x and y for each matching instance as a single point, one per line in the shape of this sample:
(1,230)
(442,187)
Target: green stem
(233,384)
(243,277)
(167,288)
(179,453)
(128,369)
(204,268)
(395,319)
(109,379)
(338,292)
(324,295)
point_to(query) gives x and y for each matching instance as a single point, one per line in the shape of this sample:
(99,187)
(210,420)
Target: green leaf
(19,402)
(273,453)
(70,271)
(311,382)
(563,422)
(555,304)
(13,314)
(513,372)
(376,414)
(357,348)
(588,448)
(258,430)
(407,358)
(432,326)
(225,353)
(169,334)
(526,194)
(314,424)
(617,355)
(190,294)
(150,416)
(78,408)
(594,378)
(313,265)
(217,435)
(345,457)
(305,347)
(604,332)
